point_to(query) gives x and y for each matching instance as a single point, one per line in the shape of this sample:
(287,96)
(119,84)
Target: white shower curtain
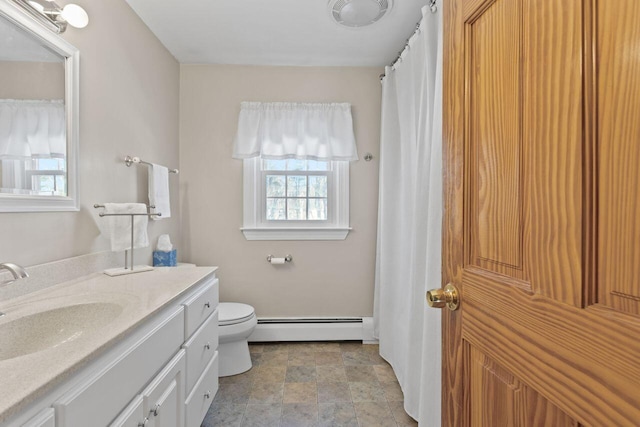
(408,259)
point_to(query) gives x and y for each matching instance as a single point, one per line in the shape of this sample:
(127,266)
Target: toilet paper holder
(288,258)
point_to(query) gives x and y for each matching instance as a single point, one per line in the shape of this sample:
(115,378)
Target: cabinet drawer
(202,394)
(44,419)
(200,306)
(132,416)
(100,398)
(201,348)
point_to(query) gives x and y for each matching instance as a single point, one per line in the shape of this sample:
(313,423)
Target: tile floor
(311,384)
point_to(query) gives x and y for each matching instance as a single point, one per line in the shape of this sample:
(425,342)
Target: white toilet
(235,323)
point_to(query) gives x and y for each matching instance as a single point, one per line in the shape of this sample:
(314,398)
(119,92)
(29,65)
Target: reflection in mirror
(38,132)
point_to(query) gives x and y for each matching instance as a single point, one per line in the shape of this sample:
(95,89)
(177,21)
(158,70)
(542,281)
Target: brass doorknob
(449,296)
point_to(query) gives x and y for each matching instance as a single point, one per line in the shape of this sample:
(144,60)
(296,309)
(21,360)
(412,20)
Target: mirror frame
(70,202)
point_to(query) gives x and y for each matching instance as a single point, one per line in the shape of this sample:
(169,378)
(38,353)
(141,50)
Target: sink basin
(51,328)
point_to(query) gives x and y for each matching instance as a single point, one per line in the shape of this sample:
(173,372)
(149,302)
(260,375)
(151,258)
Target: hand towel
(119,229)
(159,191)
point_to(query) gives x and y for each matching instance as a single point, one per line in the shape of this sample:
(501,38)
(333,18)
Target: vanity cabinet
(45,418)
(164,373)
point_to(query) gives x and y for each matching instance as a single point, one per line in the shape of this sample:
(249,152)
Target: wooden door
(542,212)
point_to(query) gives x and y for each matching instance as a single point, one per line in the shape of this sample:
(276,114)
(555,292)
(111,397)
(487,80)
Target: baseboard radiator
(314,329)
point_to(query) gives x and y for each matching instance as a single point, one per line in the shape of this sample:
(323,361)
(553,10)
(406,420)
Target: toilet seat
(232,313)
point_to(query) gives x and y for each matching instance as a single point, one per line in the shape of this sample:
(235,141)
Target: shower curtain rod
(434,8)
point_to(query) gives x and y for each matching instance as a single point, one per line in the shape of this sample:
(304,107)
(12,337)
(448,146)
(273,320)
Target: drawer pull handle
(155,411)
(207,395)
(206,304)
(143,423)
(207,346)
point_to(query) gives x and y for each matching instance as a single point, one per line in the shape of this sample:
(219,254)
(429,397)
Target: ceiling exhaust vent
(358,13)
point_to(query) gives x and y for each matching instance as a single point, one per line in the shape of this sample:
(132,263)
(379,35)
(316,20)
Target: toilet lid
(230,313)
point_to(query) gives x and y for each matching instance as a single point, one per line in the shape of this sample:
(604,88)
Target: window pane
(318,186)
(276,209)
(296,186)
(274,165)
(313,165)
(296,209)
(275,185)
(296,165)
(317,209)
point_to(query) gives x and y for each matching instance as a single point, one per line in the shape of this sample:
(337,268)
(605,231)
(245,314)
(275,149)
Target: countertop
(24,379)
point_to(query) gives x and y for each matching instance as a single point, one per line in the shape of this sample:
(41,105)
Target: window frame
(256,227)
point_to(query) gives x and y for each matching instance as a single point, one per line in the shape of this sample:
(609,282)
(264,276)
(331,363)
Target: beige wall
(129,87)
(332,278)
(32,80)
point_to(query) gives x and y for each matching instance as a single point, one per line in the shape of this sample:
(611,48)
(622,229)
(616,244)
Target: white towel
(159,191)
(119,226)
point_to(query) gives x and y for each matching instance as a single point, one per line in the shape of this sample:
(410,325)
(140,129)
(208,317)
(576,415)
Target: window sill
(295,233)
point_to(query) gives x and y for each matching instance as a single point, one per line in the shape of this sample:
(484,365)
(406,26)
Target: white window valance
(32,128)
(281,130)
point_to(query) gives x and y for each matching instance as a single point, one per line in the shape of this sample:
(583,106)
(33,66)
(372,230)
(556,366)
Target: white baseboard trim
(360,329)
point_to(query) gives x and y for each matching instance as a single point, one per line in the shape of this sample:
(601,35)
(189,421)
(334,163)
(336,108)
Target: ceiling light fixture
(358,13)
(54,16)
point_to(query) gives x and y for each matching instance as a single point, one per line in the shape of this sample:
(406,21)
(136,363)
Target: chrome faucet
(17,271)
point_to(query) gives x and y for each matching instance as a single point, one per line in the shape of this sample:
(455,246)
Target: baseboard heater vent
(313,329)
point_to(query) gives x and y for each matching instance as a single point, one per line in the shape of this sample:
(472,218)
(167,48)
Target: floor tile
(274,358)
(328,358)
(266,393)
(300,393)
(392,391)
(350,346)
(299,415)
(262,415)
(361,374)
(374,414)
(385,373)
(356,358)
(256,348)
(244,378)
(256,359)
(401,417)
(224,414)
(275,348)
(233,393)
(269,374)
(334,392)
(303,347)
(328,346)
(337,415)
(300,374)
(310,384)
(306,358)
(366,392)
(331,374)
(371,348)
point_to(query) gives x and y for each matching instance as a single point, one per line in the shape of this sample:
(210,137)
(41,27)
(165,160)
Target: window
(289,199)
(295,190)
(296,169)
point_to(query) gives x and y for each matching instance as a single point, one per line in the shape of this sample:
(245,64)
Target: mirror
(38,116)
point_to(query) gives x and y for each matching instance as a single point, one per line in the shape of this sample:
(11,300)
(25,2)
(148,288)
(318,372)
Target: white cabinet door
(164,396)
(132,416)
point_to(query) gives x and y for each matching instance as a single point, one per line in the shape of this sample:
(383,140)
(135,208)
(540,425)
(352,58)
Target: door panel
(541,229)
(619,119)
(494,389)
(494,116)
